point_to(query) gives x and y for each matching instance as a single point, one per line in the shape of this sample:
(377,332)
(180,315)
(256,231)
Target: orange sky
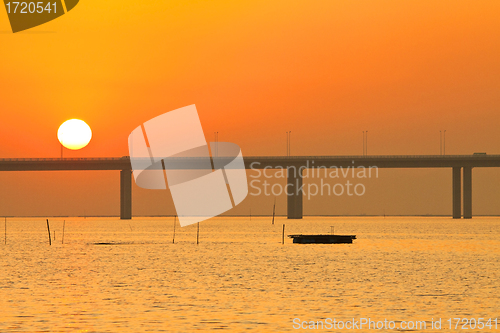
(326,70)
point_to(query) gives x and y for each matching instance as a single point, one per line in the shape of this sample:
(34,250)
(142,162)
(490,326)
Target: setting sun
(74,134)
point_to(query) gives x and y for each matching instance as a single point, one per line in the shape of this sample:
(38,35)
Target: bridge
(461,172)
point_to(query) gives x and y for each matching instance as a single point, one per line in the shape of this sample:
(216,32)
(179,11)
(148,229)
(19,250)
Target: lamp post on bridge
(216,152)
(365,143)
(288,142)
(444,142)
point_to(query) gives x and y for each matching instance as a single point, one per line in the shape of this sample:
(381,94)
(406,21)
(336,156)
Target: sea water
(114,275)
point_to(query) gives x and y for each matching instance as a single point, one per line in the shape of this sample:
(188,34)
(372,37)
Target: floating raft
(322,239)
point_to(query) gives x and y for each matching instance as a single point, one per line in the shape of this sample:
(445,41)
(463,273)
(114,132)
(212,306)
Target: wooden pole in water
(173,237)
(48,229)
(5,231)
(54,232)
(283,235)
(64,224)
(274,209)
(198,234)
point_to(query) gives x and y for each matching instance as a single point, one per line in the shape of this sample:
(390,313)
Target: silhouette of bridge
(461,167)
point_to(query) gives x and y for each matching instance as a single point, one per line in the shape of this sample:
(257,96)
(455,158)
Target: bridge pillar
(294,193)
(125,194)
(467,193)
(457,191)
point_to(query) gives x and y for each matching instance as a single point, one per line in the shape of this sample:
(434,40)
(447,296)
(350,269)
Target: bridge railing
(63,159)
(320,157)
(376,157)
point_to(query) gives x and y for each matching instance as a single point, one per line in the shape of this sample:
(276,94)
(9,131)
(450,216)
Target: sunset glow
(275,166)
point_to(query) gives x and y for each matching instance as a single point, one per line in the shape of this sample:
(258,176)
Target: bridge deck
(258,162)
(457,162)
